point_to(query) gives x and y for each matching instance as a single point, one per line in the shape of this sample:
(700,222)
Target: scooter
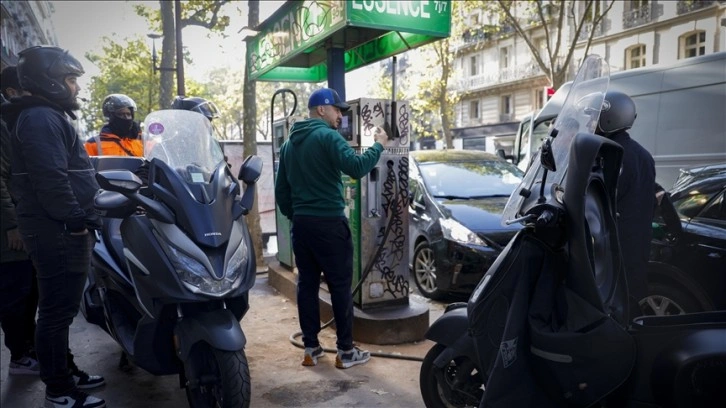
(548,326)
(173,265)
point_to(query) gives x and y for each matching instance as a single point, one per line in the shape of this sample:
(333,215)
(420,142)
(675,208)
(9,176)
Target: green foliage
(227,87)
(125,67)
(203,13)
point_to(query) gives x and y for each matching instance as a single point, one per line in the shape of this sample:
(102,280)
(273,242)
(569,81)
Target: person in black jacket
(18,293)
(635,194)
(53,183)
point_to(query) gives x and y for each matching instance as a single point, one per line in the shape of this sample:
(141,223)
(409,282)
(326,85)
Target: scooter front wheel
(458,384)
(217,378)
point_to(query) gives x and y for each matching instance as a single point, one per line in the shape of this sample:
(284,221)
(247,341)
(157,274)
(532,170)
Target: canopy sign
(292,43)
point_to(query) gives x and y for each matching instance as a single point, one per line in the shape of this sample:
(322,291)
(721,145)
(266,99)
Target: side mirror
(500,153)
(121,181)
(250,170)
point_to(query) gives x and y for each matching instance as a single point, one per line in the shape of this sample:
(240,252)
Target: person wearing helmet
(203,106)
(196,104)
(53,185)
(121,135)
(635,193)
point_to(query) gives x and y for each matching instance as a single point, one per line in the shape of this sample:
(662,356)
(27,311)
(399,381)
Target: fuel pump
(376,205)
(280,134)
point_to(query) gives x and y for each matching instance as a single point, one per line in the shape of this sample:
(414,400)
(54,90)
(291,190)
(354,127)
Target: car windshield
(691,205)
(470,179)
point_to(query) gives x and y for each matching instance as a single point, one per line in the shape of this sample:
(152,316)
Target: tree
(552,16)
(202,13)
(249,105)
(125,69)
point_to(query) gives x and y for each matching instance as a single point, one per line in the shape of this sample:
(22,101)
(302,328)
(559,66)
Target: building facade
(501,82)
(24,24)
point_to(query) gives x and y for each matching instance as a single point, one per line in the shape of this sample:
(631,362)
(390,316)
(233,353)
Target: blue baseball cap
(327,96)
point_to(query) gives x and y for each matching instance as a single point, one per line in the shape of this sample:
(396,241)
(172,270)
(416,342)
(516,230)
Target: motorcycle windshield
(185,141)
(579,114)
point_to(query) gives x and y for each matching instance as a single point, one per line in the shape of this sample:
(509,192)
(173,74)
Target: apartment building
(24,24)
(501,83)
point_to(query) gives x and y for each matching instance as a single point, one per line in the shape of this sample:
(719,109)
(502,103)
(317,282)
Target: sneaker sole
(340,364)
(90,386)
(311,361)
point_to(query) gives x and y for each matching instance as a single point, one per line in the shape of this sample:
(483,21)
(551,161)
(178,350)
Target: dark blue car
(457,199)
(687,269)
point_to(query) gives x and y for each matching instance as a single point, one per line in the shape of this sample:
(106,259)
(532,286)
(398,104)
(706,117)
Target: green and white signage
(300,28)
(411,16)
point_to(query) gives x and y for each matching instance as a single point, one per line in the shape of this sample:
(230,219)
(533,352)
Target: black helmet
(196,104)
(42,70)
(618,113)
(114,102)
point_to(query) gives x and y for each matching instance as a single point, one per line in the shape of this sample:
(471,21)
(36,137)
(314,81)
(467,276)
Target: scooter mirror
(121,181)
(250,170)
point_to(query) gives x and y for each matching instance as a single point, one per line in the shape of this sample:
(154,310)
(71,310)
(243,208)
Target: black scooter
(174,262)
(547,325)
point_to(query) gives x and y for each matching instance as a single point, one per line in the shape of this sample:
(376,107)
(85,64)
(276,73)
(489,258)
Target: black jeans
(18,302)
(324,245)
(62,262)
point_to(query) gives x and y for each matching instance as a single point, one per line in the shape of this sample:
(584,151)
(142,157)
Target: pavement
(278,378)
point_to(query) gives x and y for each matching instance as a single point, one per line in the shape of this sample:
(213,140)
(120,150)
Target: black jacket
(635,207)
(53,180)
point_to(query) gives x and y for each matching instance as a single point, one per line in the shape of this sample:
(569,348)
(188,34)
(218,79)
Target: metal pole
(179,50)
(393,78)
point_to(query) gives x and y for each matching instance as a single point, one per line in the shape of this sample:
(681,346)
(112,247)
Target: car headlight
(456,232)
(197,278)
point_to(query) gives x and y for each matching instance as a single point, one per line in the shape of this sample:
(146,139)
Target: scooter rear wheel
(217,378)
(462,385)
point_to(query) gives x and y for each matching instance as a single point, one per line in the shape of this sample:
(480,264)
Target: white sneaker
(24,366)
(352,357)
(76,399)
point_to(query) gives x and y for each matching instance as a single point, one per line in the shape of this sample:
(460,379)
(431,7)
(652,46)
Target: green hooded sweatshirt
(309,179)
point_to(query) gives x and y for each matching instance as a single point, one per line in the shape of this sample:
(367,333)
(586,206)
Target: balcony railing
(523,71)
(685,6)
(485,33)
(585,32)
(642,15)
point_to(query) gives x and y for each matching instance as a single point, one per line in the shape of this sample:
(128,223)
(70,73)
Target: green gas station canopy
(292,44)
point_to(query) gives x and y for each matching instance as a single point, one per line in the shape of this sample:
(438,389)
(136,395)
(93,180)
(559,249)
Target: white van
(681,114)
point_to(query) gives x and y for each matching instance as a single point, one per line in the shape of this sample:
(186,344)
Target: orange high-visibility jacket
(108,144)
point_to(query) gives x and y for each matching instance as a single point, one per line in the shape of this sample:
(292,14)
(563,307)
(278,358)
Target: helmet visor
(65,65)
(208,109)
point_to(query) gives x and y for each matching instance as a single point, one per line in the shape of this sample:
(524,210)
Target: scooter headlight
(237,262)
(454,231)
(196,277)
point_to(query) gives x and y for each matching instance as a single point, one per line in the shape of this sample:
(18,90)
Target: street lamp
(154,37)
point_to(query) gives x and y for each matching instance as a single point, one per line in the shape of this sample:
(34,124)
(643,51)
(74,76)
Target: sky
(81,25)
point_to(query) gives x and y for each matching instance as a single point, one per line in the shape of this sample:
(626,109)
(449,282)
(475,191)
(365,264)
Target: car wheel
(424,271)
(667,300)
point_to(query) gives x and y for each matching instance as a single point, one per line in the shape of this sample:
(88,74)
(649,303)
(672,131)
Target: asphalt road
(278,379)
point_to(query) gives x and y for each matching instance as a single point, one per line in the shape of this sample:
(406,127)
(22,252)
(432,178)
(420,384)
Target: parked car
(687,270)
(457,198)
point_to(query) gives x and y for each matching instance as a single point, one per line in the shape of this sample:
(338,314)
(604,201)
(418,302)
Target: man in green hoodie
(309,191)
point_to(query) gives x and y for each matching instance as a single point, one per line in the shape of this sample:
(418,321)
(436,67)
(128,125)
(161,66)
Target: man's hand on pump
(380,135)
